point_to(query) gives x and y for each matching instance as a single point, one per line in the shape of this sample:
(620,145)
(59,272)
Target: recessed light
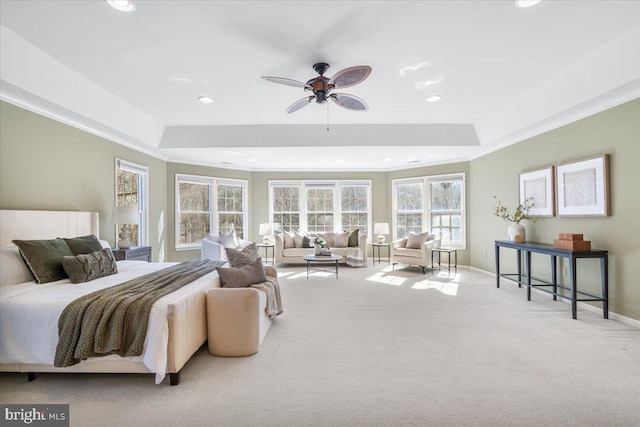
(434,98)
(526,3)
(122,5)
(206,99)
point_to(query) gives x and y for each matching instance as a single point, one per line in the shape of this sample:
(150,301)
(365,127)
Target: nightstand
(134,253)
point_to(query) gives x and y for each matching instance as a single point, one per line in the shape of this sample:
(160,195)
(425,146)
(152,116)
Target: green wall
(615,132)
(47,165)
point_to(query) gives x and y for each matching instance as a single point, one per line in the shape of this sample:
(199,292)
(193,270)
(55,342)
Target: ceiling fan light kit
(322,86)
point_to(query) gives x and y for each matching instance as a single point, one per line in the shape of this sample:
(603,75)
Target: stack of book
(572,242)
(325,252)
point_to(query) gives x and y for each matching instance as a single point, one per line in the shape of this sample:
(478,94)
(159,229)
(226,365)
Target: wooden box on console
(571,236)
(573,245)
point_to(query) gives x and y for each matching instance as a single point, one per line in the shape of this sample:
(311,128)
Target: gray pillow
(44,258)
(84,244)
(242,277)
(86,267)
(244,256)
(353,238)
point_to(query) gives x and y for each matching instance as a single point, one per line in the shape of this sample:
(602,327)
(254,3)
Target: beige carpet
(383,348)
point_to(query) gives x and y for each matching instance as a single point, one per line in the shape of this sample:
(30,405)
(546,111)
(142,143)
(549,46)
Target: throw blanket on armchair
(114,320)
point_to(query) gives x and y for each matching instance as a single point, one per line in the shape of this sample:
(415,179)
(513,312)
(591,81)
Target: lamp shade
(381,228)
(265,229)
(124,215)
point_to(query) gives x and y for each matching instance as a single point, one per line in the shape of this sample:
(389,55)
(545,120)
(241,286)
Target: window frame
(213,183)
(427,210)
(143,199)
(337,185)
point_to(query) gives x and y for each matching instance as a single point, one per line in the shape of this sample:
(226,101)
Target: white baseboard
(582,305)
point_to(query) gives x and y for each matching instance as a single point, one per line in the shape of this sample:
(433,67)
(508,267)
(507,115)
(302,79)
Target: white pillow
(297,239)
(288,240)
(330,238)
(415,241)
(13,269)
(342,240)
(228,240)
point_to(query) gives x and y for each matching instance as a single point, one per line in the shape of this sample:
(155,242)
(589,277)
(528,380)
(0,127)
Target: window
(320,209)
(354,206)
(321,206)
(445,210)
(409,208)
(197,215)
(285,205)
(132,190)
(231,208)
(432,203)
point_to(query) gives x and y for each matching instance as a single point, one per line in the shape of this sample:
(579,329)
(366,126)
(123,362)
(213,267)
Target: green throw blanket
(114,320)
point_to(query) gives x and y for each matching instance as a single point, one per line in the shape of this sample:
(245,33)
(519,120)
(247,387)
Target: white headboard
(35,225)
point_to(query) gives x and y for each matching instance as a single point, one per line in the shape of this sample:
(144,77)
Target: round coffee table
(322,259)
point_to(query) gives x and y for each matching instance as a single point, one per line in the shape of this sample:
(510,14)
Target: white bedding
(29,316)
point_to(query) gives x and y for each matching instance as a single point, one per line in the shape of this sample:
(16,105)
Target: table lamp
(381,228)
(124,215)
(265,230)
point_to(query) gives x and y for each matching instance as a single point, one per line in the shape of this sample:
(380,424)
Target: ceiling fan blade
(350,102)
(288,82)
(299,104)
(350,76)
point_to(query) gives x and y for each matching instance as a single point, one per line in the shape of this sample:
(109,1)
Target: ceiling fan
(322,86)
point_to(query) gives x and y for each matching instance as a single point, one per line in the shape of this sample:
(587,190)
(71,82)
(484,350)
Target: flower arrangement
(521,212)
(319,241)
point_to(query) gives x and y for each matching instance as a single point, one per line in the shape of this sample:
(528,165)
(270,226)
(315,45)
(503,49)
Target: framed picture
(583,187)
(538,185)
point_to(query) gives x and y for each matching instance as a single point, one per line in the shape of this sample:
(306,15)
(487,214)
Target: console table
(524,278)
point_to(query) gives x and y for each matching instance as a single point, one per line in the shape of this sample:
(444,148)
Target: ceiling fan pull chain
(327,117)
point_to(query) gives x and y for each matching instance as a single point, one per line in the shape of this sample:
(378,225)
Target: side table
(266,247)
(134,253)
(379,246)
(448,251)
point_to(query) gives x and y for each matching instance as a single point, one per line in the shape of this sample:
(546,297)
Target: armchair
(400,254)
(211,248)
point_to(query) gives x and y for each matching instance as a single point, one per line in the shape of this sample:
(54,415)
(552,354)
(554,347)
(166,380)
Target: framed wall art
(538,185)
(583,187)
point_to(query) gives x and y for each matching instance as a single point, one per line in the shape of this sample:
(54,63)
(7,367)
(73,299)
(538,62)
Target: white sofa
(418,257)
(211,248)
(294,255)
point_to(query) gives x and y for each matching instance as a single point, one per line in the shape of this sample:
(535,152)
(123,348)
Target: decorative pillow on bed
(244,256)
(84,244)
(44,258)
(86,267)
(242,277)
(228,240)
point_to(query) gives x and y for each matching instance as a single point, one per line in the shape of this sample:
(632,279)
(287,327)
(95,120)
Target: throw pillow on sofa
(353,238)
(415,241)
(228,240)
(242,277)
(288,240)
(341,240)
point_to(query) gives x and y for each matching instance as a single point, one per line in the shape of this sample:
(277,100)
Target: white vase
(517,233)
(317,249)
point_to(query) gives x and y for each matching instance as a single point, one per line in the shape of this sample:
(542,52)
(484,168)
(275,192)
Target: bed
(29,312)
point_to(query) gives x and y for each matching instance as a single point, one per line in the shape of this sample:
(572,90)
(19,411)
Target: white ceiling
(504,74)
